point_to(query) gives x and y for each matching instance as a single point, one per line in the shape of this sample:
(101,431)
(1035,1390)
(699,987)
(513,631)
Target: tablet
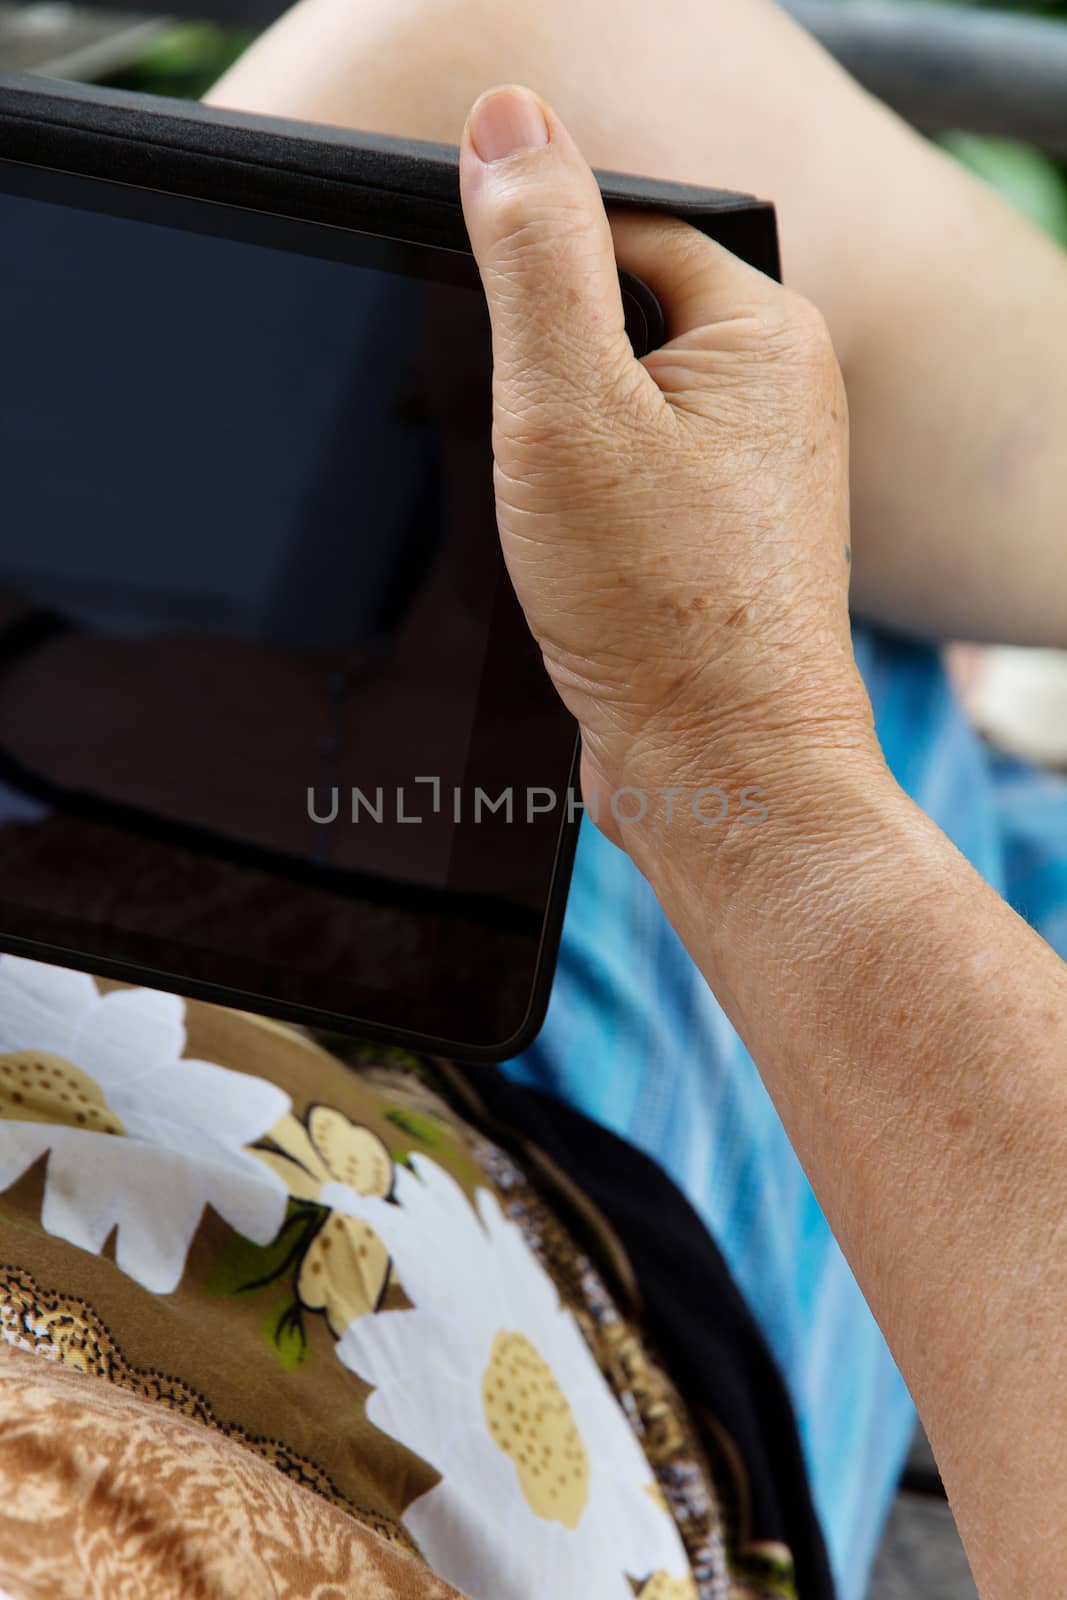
(273,731)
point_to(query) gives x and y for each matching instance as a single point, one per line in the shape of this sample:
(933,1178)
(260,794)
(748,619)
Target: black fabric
(693,1311)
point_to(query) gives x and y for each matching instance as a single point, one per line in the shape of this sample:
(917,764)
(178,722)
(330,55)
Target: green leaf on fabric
(428,1130)
(245,1268)
(284,1327)
(358,1052)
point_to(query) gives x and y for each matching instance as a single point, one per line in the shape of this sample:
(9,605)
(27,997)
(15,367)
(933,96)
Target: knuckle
(526,225)
(693,257)
(806,333)
(797,340)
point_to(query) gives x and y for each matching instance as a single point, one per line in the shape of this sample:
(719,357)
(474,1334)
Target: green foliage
(1033,183)
(184,62)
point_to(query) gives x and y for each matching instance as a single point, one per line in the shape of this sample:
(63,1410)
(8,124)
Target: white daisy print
(139,1138)
(545,1489)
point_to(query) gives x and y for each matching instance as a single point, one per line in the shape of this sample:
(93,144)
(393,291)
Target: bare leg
(947,311)
(666,90)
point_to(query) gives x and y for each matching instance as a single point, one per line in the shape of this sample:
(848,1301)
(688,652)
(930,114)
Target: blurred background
(991,86)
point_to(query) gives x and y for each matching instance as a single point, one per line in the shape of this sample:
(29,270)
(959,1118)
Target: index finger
(696,281)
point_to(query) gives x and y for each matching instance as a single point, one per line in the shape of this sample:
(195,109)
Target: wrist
(785,915)
(713,795)
(736,836)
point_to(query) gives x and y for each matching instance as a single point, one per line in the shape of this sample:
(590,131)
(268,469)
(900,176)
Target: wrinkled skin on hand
(677,527)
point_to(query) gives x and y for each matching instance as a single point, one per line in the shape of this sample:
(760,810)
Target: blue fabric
(635,1040)
(1032,811)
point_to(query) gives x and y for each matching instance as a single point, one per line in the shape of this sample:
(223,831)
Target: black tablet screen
(269,716)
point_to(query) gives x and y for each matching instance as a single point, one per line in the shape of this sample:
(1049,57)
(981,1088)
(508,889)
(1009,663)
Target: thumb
(544,249)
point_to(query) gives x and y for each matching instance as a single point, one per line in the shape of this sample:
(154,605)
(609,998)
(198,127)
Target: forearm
(913,1034)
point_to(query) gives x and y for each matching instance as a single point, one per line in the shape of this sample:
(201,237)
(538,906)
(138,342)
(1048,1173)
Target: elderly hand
(676,527)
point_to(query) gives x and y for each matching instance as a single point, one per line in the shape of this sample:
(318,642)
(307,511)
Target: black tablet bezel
(362,184)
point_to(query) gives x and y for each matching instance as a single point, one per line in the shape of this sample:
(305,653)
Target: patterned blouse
(282,1323)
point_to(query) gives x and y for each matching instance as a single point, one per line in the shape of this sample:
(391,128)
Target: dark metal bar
(943,67)
(66,41)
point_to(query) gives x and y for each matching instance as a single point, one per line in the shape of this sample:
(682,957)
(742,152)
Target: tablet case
(309,170)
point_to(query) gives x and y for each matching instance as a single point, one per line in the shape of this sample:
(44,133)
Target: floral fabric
(322,1271)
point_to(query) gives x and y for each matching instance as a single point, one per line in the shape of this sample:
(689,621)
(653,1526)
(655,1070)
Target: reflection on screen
(247,550)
